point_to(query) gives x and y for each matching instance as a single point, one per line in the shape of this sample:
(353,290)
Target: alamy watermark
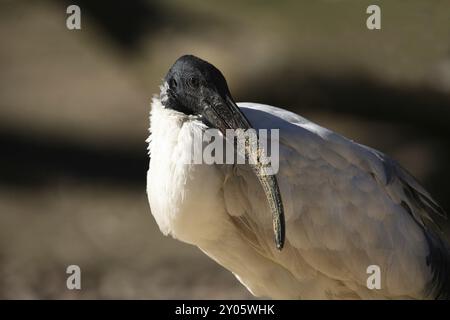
(260,148)
(374,280)
(73,21)
(73,281)
(373,22)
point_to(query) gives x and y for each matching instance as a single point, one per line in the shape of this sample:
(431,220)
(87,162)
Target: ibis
(312,230)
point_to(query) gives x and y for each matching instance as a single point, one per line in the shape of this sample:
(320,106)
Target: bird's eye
(193,82)
(173,83)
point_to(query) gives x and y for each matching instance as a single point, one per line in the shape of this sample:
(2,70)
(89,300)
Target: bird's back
(347,207)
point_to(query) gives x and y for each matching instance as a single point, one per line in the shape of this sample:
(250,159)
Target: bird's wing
(347,207)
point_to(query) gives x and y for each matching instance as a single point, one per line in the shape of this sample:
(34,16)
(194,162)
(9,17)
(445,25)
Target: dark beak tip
(279,245)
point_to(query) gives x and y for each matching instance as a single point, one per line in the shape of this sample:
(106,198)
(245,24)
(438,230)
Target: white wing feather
(345,209)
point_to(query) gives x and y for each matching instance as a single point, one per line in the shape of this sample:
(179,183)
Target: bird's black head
(196,87)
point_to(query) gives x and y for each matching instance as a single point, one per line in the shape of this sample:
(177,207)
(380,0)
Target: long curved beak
(223,114)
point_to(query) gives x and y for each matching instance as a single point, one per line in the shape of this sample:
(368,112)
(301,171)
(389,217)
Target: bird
(311,230)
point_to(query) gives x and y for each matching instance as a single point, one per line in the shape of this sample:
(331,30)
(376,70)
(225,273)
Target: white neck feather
(177,190)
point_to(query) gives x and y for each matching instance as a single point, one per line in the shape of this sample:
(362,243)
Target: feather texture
(347,207)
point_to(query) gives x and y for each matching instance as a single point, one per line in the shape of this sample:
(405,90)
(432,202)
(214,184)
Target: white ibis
(334,208)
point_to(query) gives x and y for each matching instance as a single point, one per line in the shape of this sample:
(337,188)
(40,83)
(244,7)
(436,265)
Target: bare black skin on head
(196,87)
(189,80)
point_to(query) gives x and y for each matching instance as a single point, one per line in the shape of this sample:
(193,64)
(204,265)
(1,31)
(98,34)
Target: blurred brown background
(74,116)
